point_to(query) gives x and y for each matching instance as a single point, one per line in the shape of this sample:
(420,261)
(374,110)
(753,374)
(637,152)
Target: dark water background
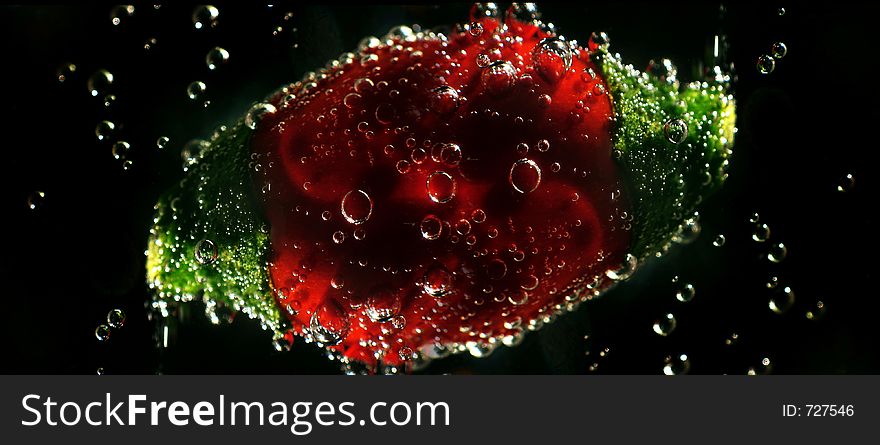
(80,253)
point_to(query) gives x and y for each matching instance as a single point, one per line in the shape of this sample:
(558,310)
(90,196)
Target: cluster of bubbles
(115,319)
(767,62)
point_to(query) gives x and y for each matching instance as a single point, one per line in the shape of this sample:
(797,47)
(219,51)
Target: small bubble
(483,10)
(626,269)
(677,365)
(761,233)
(385,113)
(719,240)
(35,200)
(338,237)
(765,64)
(543,145)
(478,216)
(552,59)
(444,100)
(441,187)
(665,325)
(475,29)
(363,85)
(777,253)
(782,300)
(205,16)
(99,82)
(329,323)
(403,166)
(102,333)
(437,281)
(195,89)
(216,57)
(518,297)
(431,227)
(382,305)
(688,231)
(193,151)
(406,354)
(116,318)
(120,149)
(483,60)
(778,50)
(781,12)
(685,293)
(357,206)
(847,183)
(676,131)
(498,78)
(104,130)
(525,176)
(162,142)
(399,322)
(598,40)
(256,114)
(353,100)
(206,251)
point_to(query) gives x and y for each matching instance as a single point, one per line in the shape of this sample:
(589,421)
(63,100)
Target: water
(67,190)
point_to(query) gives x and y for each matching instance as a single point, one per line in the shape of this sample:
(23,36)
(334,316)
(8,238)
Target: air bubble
(437,281)
(782,300)
(552,59)
(765,64)
(382,305)
(847,183)
(685,293)
(216,57)
(665,325)
(35,200)
(676,130)
(99,82)
(677,365)
(256,114)
(444,100)
(626,269)
(498,78)
(525,176)
(440,187)
(357,206)
(162,142)
(205,16)
(338,237)
(329,323)
(431,227)
(104,130)
(206,251)
(116,318)
(102,333)
(761,233)
(777,253)
(778,50)
(195,90)
(120,149)
(719,240)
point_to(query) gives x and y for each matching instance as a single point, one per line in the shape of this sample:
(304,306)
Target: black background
(80,253)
